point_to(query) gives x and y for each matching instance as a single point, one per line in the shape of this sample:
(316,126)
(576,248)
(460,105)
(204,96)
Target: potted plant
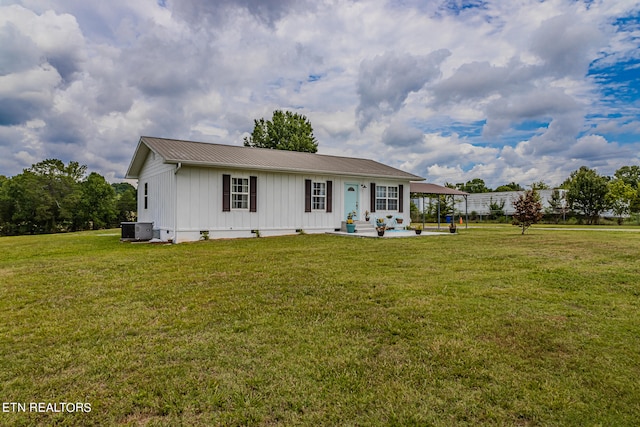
(418,229)
(399,220)
(351,227)
(380,226)
(452,227)
(366,216)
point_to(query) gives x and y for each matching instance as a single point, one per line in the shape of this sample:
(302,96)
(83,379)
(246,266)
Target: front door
(351,199)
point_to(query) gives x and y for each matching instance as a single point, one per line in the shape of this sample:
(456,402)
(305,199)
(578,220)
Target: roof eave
(137,161)
(409,177)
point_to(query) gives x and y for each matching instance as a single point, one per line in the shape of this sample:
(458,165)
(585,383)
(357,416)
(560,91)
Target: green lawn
(486,327)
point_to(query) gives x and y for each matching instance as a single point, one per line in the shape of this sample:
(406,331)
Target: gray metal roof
(231,156)
(426,188)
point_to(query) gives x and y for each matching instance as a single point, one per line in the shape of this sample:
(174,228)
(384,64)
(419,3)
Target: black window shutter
(329,196)
(226,193)
(253,194)
(372,205)
(400,198)
(307,195)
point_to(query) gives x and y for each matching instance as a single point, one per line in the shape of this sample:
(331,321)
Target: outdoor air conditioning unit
(137,230)
(144,230)
(128,230)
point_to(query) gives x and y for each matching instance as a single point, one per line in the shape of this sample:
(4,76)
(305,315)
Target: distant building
(480,202)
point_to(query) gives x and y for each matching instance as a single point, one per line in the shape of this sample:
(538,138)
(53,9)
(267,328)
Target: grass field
(486,327)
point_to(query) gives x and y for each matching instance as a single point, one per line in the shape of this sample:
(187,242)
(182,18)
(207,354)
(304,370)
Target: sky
(451,90)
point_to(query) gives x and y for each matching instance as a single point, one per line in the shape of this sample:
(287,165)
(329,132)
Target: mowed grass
(486,327)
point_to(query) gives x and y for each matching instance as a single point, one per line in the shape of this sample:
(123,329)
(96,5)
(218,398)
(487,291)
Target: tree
(528,209)
(51,197)
(476,185)
(97,205)
(587,193)
(540,185)
(512,186)
(286,131)
(557,207)
(620,197)
(496,208)
(122,187)
(30,208)
(631,175)
(6,206)
(59,182)
(126,201)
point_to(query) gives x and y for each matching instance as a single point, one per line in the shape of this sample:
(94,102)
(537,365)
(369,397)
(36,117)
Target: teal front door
(351,199)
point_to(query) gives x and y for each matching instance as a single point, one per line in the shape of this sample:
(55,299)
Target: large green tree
(630,175)
(30,209)
(51,196)
(587,193)
(620,197)
(97,204)
(285,131)
(59,181)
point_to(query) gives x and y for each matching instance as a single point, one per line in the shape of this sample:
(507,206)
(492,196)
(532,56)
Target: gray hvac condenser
(137,230)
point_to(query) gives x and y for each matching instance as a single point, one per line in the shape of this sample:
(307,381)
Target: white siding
(406,203)
(280,203)
(160,181)
(185,203)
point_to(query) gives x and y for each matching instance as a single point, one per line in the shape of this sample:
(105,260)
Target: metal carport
(423,188)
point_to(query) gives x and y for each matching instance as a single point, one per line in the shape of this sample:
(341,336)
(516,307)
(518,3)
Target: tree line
(52,197)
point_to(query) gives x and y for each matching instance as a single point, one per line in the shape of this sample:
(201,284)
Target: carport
(422,189)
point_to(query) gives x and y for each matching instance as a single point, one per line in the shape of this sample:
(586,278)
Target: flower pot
(418,232)
(399,220)
(380,233)
(351,228)
(452,230)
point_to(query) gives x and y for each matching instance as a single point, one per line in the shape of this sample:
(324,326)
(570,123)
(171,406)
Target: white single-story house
(190,189)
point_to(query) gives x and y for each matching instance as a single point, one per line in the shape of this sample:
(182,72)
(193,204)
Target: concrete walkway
(387,234)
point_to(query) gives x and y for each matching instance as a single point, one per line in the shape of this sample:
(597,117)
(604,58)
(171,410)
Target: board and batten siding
(280,204)
(159,180)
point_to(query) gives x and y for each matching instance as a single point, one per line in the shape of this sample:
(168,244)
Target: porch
(367,229)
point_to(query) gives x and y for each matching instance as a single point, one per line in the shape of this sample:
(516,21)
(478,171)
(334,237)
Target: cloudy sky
(503,90)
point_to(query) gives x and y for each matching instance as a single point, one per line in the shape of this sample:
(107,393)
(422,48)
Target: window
(319,196)
(146,195)
(392,201)
(240,193)
(386,198)
(381,198)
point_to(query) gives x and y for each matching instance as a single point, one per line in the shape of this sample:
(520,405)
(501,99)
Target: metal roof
(236,157)
(426,188)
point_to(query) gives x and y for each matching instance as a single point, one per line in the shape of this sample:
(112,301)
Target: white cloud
(446,92)
(384,82)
